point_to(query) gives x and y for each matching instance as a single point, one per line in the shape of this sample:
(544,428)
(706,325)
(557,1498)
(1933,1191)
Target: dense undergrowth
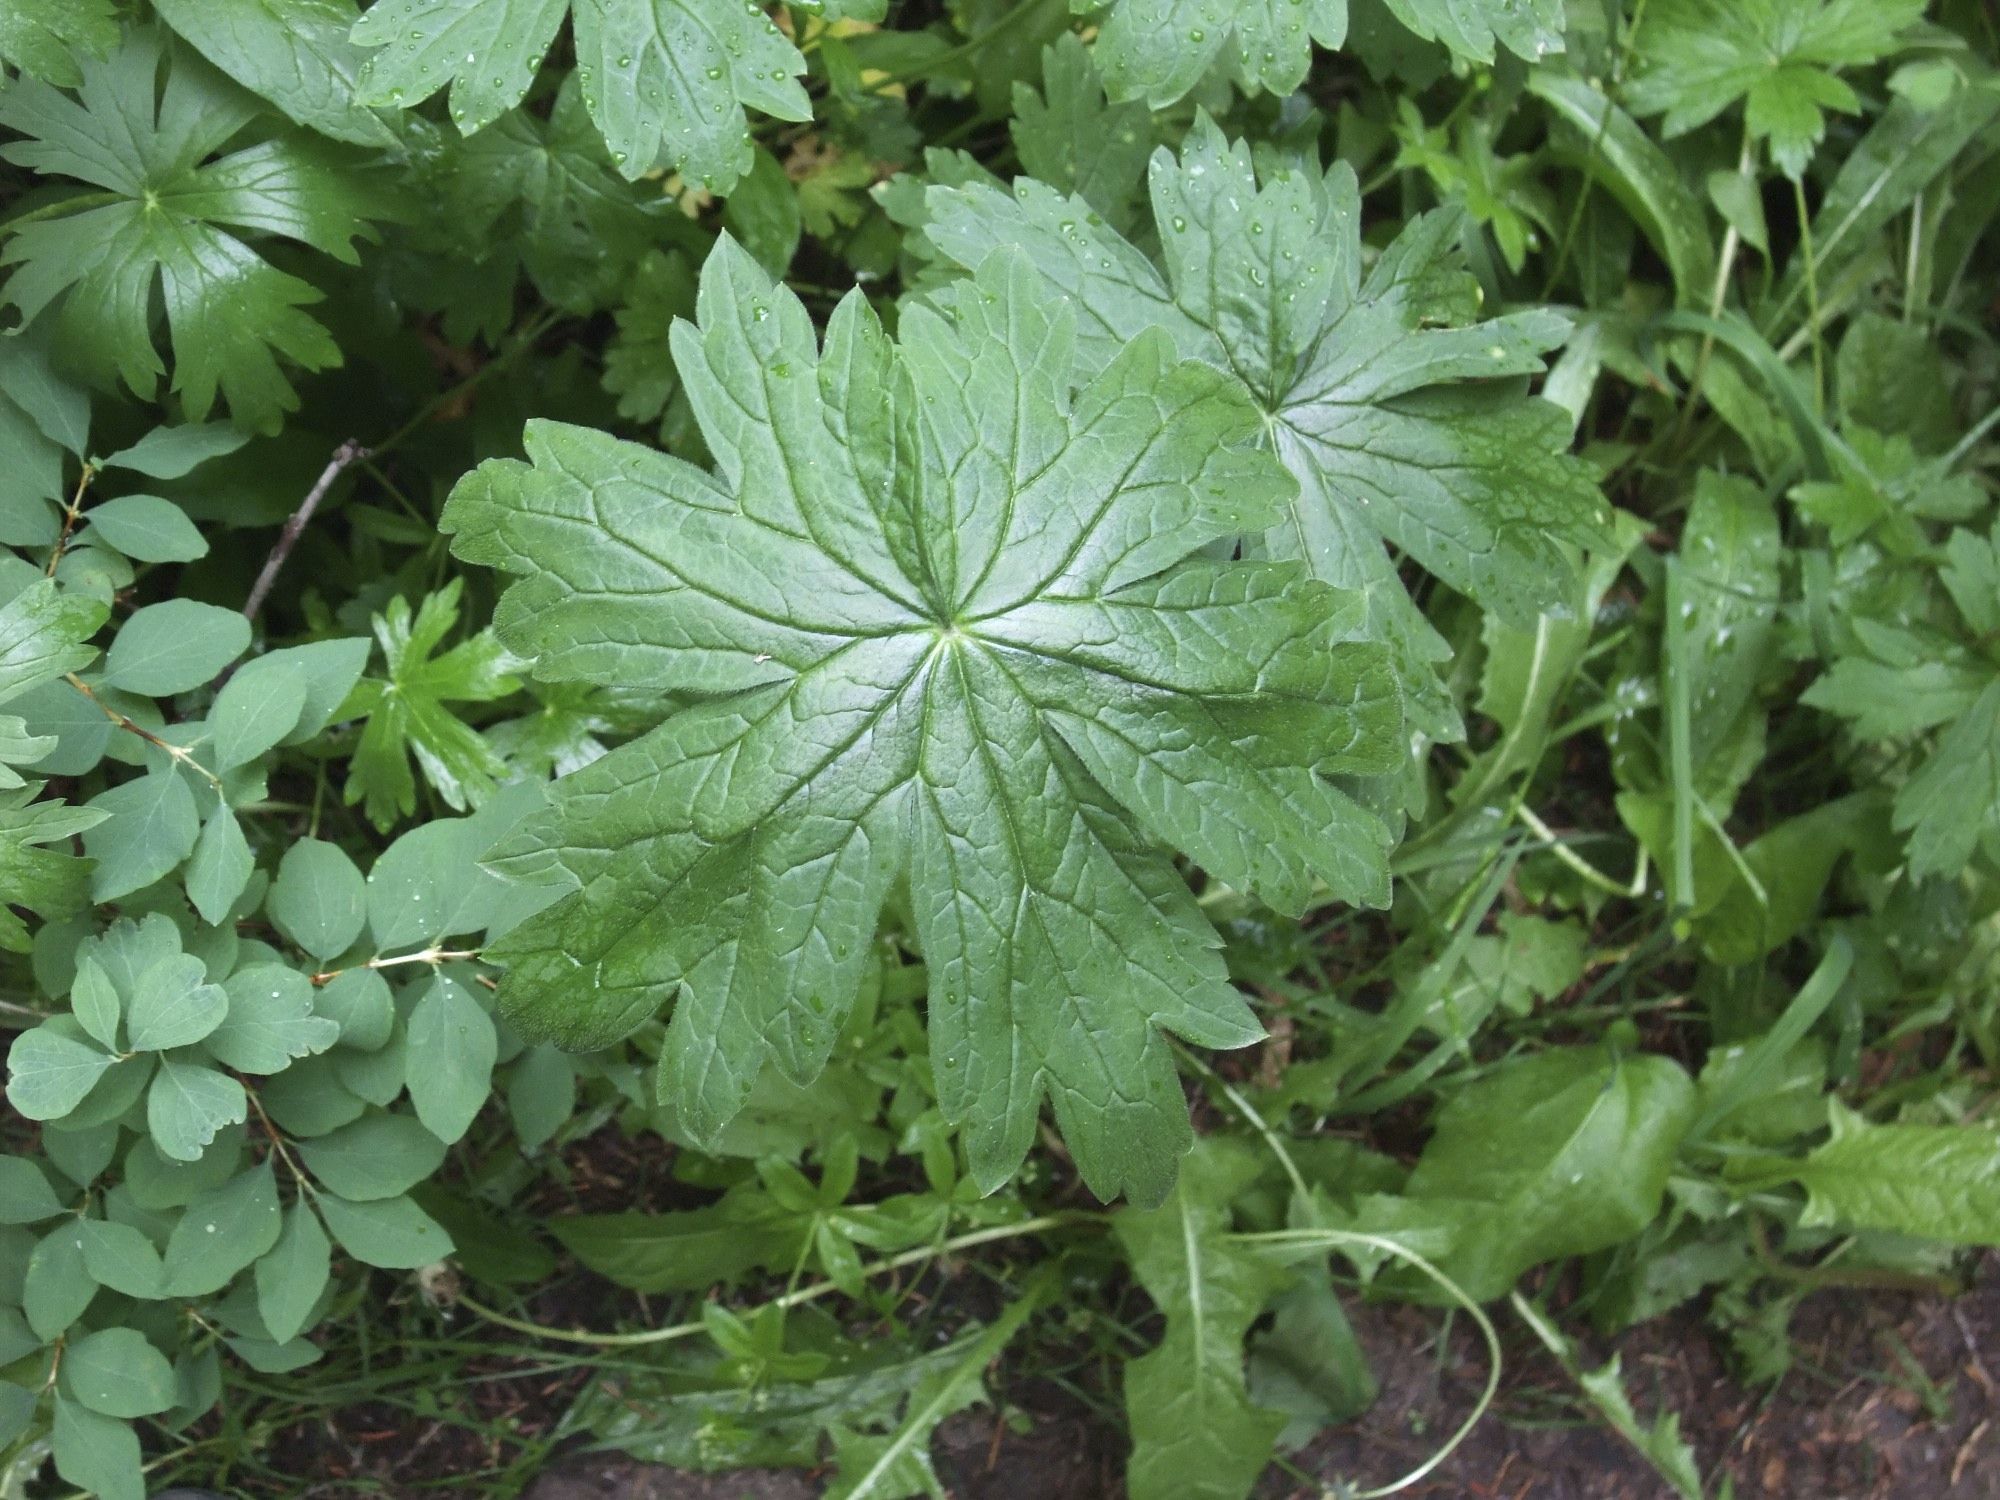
(1102,679)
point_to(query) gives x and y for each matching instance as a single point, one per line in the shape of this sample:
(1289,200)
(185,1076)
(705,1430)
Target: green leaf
(689,1250)
(897,1464)
(967,669)
(123,1259)
(666,81)
(1730,556)
(407,715)
(171,1005)
(390,1232)
(117,1372)
(1375,391)
(174,647)
(378,1156)
(97,1454)
(56,1289)
(292,1274)
(171,452)
(42,635)
(148,529)
(150,825)
(1551,1154)
(1941,1182)
(187,1104)
(541,1095)
(1528,28)
(256,708)
(221,866)
(295,53)
(270,1021)
(1074,138)
(319,899)
(1157,50)
(95,1002)
(1699,57)
(1952,803)
(1196,1435)
(223,1230)
(1614,150)
(429,886)
(763,213)
(230,313)
(25,1194)
(48,1073)
(42,38)
(451,1047)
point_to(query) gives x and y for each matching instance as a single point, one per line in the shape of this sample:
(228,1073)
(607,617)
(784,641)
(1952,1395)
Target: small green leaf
(378,1156)
(94,1001)
(122,1258)
(96,1453)
(171,452)
(187,1104)
(1556,1153)
(174,647)
(150,825)
(119,1373)
(223,1230)
(319,899)
(452,1045)
(541,1094)
(220,867)
(148,529)
(292,1274)
(359,1002)
(270,1021)
(25,1194)
(407,713)
(256,709)
(57,1287)
(390,1232)
(48,1073)
(172,1006)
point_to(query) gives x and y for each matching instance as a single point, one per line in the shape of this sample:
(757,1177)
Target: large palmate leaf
(957,636)
(230,313)
(666,81)
(1698,57)
(1379,392)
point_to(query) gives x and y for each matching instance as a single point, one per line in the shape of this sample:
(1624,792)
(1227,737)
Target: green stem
(790,1299)
(1812,297)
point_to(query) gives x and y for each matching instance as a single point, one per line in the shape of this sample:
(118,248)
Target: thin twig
(177,753)
(349,452)
(72,513)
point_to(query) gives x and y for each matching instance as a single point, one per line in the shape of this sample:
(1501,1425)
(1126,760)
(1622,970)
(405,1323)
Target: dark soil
(1890,1398)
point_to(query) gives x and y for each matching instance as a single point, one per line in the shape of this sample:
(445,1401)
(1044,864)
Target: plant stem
(176,753)
(1812,296)
(72,513)
(790,1299)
